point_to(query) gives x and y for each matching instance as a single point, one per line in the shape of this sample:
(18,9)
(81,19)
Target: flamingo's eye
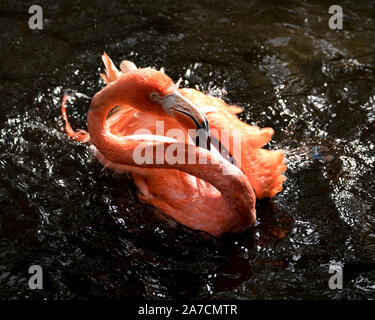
(154,96)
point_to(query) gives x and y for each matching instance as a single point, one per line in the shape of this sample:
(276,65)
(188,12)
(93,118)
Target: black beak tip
(203,138)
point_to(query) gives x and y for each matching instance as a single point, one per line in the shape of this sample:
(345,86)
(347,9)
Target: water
(277,60)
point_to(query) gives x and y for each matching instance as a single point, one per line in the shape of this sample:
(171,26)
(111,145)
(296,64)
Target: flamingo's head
(154,92)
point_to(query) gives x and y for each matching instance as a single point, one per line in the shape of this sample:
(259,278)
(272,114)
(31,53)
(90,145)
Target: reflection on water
(279,61)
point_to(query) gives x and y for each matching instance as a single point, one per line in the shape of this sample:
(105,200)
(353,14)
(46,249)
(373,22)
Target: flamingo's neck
(234,187)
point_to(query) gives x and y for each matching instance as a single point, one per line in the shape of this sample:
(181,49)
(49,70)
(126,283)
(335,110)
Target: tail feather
(127,66)
(264,169)
(111,72)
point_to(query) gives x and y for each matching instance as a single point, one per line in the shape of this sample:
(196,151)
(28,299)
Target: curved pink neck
(234,187)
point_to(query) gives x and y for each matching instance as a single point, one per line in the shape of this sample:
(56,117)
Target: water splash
(310,153)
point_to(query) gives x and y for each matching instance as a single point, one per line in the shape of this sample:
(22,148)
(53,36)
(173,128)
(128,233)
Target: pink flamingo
(197,195)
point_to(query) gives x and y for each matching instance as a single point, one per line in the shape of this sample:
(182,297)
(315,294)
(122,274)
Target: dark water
(277,59)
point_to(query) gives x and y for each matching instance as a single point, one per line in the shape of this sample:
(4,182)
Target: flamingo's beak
(188,115)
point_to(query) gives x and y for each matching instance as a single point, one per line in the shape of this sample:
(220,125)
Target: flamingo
(197,195)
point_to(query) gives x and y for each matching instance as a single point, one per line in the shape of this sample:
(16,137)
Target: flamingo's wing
(263,168)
